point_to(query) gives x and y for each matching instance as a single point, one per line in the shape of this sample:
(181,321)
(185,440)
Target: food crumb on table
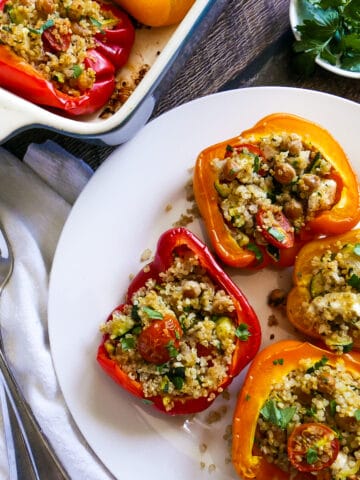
(145,256)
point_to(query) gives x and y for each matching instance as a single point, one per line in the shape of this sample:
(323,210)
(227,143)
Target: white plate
(295,20)
(121,212)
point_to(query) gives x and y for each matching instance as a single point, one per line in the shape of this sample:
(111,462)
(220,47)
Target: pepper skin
(300,294)
(343,216)
(113,49)
(157,13)
(174,240)
(263,372)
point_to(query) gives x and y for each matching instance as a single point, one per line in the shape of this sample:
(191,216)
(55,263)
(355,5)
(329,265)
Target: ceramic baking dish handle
(17,114)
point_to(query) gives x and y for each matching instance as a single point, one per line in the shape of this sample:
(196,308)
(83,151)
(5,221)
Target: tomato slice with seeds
(54,42)
(312,447)
(158,342)
(275,228)
(243,146)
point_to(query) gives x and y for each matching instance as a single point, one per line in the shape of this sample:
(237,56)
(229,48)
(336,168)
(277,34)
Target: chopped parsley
(279,417)
(127,343)
(242,332)
(153,314)
(354,281)
(317,365)
(357,414)
(173,351)
(48,24)
(256,250)
(330,31)
(311,456)
(77,71)
(278,361)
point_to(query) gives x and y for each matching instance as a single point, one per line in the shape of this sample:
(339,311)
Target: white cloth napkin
(35,199)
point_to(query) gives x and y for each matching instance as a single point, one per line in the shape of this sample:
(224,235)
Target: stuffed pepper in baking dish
(279,184)
(184,332)
(63,54)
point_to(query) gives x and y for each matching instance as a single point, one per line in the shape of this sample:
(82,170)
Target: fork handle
(39,448)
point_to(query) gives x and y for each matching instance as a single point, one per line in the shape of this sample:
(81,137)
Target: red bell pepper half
(112,52)
(175,242)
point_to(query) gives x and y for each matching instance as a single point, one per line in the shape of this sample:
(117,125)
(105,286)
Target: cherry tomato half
(275,228)
(312,447)
(243,146)
(54,42)
(158,342)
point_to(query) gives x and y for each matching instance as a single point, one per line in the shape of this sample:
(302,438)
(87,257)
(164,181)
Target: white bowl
(295,20)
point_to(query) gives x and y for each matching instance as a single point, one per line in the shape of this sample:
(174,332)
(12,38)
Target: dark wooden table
(249,45)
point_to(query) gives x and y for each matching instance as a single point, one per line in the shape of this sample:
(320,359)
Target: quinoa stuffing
(200,334)
(310,422)
(333,309)
(53,36)
(279,174)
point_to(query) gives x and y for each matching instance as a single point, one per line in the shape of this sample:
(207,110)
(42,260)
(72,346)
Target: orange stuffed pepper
(281,183)
(298,415)
(325,300)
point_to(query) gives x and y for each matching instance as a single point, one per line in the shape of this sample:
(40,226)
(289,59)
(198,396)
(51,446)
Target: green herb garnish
(317,365)
(77,71)
(256,250)
(354,281)
(357,414)
(279,417)
(242,332)
(48,24)
(153,314)
(278,361)
(330,31)
(312,456)
(127,343)
(173,351)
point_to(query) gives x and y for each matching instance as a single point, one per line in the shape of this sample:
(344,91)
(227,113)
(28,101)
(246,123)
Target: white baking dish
(164,49)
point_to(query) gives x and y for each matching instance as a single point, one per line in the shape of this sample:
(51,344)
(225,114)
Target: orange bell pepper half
(343,215)
(270,366)
(311,285)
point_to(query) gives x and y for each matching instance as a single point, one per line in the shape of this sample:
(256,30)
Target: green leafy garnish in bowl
(327,32)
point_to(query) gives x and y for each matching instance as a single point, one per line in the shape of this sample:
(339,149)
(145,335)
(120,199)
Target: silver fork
(22,431)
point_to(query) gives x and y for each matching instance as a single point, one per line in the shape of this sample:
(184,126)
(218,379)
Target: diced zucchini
(222,189)
(120,324)
(317,285)
(351,258)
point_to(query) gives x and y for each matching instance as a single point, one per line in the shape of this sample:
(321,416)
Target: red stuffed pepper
(298,415)
(184,332)
(281,183)
(63,57)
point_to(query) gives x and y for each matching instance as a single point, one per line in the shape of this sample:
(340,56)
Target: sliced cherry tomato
(275,228)
(312,447)
(243,146)
(158,342)
(54,42)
